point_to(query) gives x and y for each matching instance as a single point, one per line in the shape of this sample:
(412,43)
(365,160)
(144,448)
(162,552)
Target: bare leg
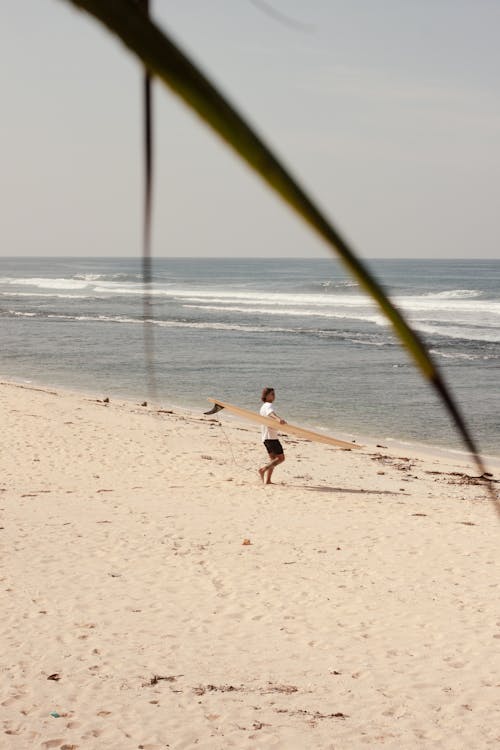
(269,468)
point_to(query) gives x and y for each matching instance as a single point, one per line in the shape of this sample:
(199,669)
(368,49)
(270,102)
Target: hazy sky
(388,110)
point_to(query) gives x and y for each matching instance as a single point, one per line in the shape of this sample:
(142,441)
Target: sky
(388,112)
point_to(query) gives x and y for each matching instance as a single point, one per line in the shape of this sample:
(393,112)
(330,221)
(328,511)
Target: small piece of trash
(55,714)
(56,676)
(144,403)
(155,679)
(246,542)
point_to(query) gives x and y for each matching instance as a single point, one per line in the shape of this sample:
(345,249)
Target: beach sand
(364,611)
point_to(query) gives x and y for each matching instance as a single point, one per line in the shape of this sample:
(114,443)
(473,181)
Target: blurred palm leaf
(162,58)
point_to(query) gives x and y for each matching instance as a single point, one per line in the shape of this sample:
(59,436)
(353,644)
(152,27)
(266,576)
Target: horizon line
(232,257)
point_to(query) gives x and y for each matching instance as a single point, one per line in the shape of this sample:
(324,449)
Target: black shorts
(274,447)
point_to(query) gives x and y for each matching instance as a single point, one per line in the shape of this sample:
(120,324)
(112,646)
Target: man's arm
(275,416)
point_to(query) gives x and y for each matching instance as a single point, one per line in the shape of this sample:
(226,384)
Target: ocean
(227,327)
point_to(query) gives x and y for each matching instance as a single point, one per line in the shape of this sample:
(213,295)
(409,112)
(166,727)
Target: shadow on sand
(325,488)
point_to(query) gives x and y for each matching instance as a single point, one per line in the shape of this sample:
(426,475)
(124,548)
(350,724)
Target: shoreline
(416,448)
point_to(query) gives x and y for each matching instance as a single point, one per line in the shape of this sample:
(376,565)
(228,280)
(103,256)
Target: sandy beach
(156,595)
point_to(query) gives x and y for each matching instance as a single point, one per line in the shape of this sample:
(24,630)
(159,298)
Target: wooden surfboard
(288,429)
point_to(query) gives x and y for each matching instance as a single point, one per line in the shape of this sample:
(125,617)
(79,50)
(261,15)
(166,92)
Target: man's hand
(273,415)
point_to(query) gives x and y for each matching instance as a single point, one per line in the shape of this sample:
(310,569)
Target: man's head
(267,395)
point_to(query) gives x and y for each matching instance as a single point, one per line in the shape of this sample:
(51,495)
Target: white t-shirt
(267,432)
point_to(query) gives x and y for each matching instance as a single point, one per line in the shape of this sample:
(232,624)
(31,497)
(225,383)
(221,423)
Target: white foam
(457,332)
(455,294)
(42,283)
(47,294)
(455,355)
(112,288)
(377,319)
(274,298)
(88,276)
(447,304)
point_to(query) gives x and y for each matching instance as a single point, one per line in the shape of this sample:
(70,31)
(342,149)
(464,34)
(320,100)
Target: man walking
(270,436)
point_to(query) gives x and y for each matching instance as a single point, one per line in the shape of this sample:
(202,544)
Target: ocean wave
(367,343)
(464,355)
(458,314)
(410,303)
(79,281)
(44,283)
(455,355)
(110,288)
(459,302)
(276,298)
(88,276)
(346,284)
(112,277)
(103,287)
(219,326)
(444,330)
(48,294)
(446,304)
(455,294)
(325,287)
(377,319)
(458,332)
(205,325)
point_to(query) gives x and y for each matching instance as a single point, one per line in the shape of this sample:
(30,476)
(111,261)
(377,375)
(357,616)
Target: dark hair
(265,393)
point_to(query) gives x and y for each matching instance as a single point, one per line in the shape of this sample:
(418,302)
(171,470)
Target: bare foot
(262,473)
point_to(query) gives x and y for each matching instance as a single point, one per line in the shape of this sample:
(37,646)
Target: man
(270,436)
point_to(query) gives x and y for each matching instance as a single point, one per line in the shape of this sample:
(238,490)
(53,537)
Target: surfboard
(288,429)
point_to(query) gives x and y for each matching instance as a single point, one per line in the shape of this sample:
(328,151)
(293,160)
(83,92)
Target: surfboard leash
(231,448)
(240,466)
